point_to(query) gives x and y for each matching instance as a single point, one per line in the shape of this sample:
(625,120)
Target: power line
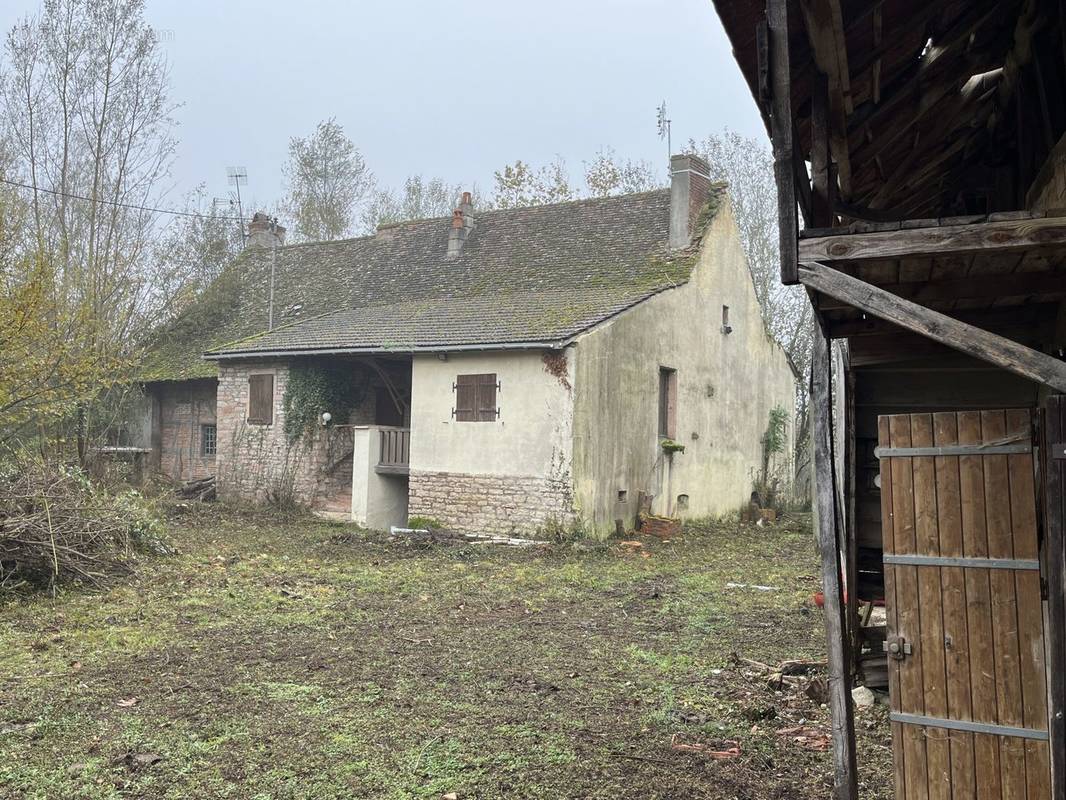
(117,204)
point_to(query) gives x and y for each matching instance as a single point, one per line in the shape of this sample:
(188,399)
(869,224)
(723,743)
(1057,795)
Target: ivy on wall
(314,389)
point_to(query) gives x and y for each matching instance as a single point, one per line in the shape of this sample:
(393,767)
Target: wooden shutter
(261,399)
(475,398)
(486,398)
(466,398)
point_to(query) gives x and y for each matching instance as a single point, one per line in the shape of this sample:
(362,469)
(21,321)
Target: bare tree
(327,181)
(606,175)
(419,199)
(192,249)
(85,100)
(86,118)
(519,184)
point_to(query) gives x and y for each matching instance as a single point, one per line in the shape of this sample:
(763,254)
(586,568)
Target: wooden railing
(395,451)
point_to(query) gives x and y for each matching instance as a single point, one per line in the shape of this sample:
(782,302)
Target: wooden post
(851,524)
(781,136)
(845,784)
(820,202)
(1055,556)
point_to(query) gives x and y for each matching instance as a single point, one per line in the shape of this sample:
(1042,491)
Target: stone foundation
(499,504)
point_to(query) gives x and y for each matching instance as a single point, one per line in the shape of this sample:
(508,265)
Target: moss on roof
(530,274)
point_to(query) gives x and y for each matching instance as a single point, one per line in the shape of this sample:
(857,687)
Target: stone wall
(499,504)
(258,463)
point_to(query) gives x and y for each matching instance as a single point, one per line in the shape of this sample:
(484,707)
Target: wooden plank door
(967,682)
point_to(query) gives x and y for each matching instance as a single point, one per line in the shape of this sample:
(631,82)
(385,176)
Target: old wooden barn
(922,143)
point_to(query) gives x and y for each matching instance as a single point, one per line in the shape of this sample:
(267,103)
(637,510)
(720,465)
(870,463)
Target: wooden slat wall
(1055,561)
(977,634)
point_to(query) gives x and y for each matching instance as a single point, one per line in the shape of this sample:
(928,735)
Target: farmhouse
(923,143)
(498,371)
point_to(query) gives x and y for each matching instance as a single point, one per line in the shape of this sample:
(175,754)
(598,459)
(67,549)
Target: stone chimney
(264,231)
(690,186)
(462,224)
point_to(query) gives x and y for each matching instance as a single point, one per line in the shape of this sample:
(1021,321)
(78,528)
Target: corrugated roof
(539,274)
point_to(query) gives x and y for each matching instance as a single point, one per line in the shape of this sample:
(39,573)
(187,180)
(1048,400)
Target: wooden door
(967,679)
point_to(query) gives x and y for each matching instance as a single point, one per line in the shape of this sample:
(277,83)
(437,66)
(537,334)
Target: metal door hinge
(897,647)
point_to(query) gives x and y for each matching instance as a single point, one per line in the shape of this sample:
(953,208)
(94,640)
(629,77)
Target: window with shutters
(475,398)
(667,403)
(261,399)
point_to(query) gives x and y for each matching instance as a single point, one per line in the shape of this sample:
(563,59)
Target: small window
(726,327)
(261,399)
(475,398)
(667,402)
(208,440)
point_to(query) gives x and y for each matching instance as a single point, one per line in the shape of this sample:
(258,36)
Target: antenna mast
(238,176)
(664,130)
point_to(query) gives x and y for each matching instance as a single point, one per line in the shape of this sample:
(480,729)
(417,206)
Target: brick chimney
(462,224)
(690,185)
(264,231)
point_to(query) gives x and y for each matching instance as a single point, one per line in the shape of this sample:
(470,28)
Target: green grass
(285,657)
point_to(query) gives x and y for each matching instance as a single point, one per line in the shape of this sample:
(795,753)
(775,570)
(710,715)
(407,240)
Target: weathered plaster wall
(182,407)
(257,462)
(727,385)
(511,474)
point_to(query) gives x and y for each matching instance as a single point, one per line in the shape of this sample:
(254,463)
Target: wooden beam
(1032,364)
(1030,324)
(821,205)
(1019,284)
(825,31)
(781,135)
(845,784)
(802,182)
(984,237)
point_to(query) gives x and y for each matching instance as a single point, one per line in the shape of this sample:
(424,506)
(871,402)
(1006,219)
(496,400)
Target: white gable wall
(727,386)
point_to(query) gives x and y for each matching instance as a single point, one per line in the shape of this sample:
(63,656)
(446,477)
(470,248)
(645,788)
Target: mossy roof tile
(537,274)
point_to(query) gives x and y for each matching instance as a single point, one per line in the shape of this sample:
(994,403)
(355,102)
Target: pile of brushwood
(57,526)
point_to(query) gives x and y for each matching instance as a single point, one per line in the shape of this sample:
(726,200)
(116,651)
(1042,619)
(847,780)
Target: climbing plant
(314,389)
(774,439)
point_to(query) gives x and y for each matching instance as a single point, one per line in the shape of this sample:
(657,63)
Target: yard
(285,657)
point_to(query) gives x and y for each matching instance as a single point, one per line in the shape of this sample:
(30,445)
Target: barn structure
(921,142)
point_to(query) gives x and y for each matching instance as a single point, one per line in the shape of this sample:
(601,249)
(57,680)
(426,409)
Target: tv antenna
(238,176)
(664,129)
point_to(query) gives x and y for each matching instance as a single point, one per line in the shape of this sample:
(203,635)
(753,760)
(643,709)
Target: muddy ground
(285,657)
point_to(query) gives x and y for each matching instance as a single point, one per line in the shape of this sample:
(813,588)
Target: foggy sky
(449,88)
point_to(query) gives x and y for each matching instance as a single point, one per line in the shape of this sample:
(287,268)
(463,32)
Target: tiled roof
(537,274)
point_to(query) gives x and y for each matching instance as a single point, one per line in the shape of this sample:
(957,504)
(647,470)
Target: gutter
(223,355)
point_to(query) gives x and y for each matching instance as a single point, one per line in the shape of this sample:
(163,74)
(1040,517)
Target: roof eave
(557,344)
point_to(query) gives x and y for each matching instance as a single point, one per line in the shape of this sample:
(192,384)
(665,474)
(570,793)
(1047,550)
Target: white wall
(532,436)
(727,385)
